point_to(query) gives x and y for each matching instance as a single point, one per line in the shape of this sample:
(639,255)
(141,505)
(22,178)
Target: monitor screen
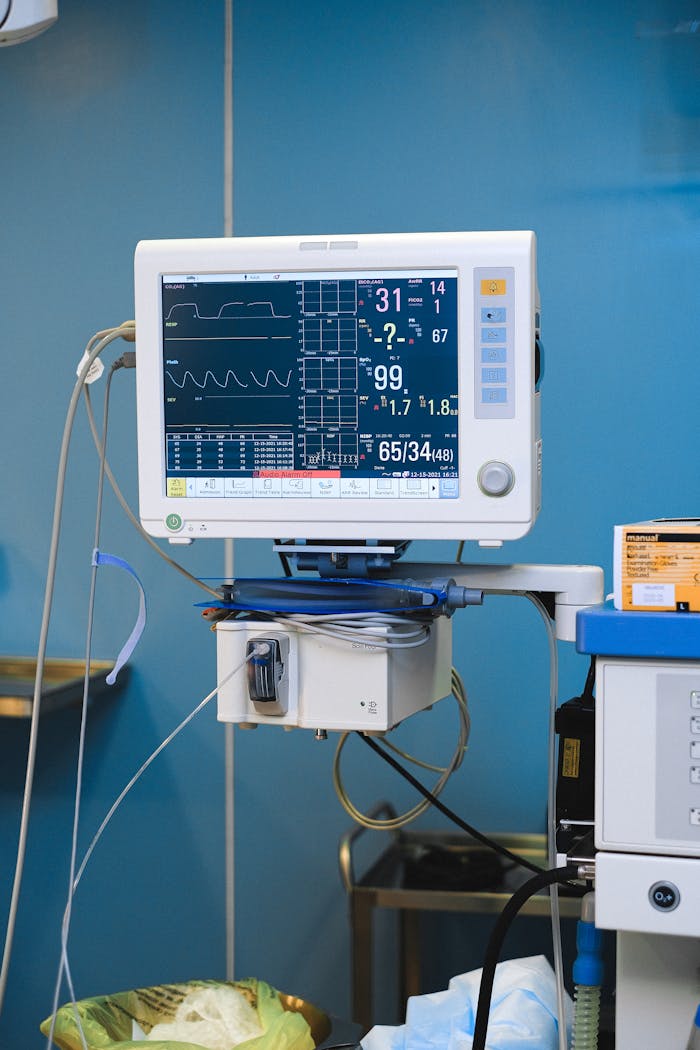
(274,397)
(311,385)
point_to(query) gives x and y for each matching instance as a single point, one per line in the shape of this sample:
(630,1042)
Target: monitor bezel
(473,514)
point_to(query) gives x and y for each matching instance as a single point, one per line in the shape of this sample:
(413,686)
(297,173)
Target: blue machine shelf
(606,631)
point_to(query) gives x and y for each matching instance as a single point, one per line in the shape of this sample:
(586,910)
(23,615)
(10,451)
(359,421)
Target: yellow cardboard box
(656,565)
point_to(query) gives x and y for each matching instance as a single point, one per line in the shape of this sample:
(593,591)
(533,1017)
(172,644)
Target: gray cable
(551,814)
(64,966)
(130,514)
(551,804)
(364,819)
(229,803)
(92,351)
(125,791)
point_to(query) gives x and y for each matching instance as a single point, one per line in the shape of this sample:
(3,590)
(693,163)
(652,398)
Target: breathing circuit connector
(588,977)
(459,597)
(588,967)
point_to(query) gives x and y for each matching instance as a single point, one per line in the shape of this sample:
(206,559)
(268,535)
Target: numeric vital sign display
(300,384)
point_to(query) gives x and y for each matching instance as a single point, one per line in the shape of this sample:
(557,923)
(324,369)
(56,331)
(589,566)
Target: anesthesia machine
(647,815)
(343,396)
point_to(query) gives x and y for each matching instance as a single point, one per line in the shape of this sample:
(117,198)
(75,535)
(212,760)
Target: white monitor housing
(21,20)
(338,387)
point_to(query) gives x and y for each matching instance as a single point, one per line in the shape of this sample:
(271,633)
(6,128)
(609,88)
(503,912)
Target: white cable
(551,813)
(185,722)
(94,348)
(229,814)
(65,967)
(130,514)
(65,926)
(381,630)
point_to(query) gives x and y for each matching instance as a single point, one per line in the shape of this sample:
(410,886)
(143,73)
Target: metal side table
(398,879)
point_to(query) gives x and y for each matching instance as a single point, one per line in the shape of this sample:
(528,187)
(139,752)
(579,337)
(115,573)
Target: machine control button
(493,286)
(695,698)
(494,375)
(695,725)
(497,355)
(695,774)
(496,479)
(664,896)
(493,315)
(494,395)
(493,335)
(173,522)
(695,817)
(695,749)
(449,488)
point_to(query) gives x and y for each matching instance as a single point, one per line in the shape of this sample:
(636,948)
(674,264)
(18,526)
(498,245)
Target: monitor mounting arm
(564,588)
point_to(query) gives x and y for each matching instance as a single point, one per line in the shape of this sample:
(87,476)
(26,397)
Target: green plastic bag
(108,1021)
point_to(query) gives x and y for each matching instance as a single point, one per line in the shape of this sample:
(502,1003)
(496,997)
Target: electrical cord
(127,360)
(445,810)
(587,695)
(552,809)
(402,820)
(460,695)
(123,503)
(94,348)
(372,629)
(380,630)
(551,796)
(493,949)
(64,966)
(130,514)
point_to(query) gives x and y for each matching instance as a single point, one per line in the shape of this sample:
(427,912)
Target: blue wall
(386,117)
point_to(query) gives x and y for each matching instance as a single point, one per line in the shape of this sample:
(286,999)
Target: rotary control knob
(496,479)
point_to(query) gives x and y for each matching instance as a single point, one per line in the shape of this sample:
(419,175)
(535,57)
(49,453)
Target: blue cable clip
(98,558)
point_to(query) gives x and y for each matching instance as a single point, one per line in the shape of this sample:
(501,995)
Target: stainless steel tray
(62,683)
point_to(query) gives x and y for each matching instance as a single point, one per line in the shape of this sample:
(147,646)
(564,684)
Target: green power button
(173,522)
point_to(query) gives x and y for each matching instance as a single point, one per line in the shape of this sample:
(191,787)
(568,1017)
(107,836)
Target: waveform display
(226,312)
(327,410)
(329,373)
(210,378)
(321,450)
(329,335)
(329,297)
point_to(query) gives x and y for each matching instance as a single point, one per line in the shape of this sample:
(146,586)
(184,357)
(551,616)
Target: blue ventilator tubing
(588,977)
(338,597)
(694,1038)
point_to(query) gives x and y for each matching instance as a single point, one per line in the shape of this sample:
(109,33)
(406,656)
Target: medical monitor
(348,387)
